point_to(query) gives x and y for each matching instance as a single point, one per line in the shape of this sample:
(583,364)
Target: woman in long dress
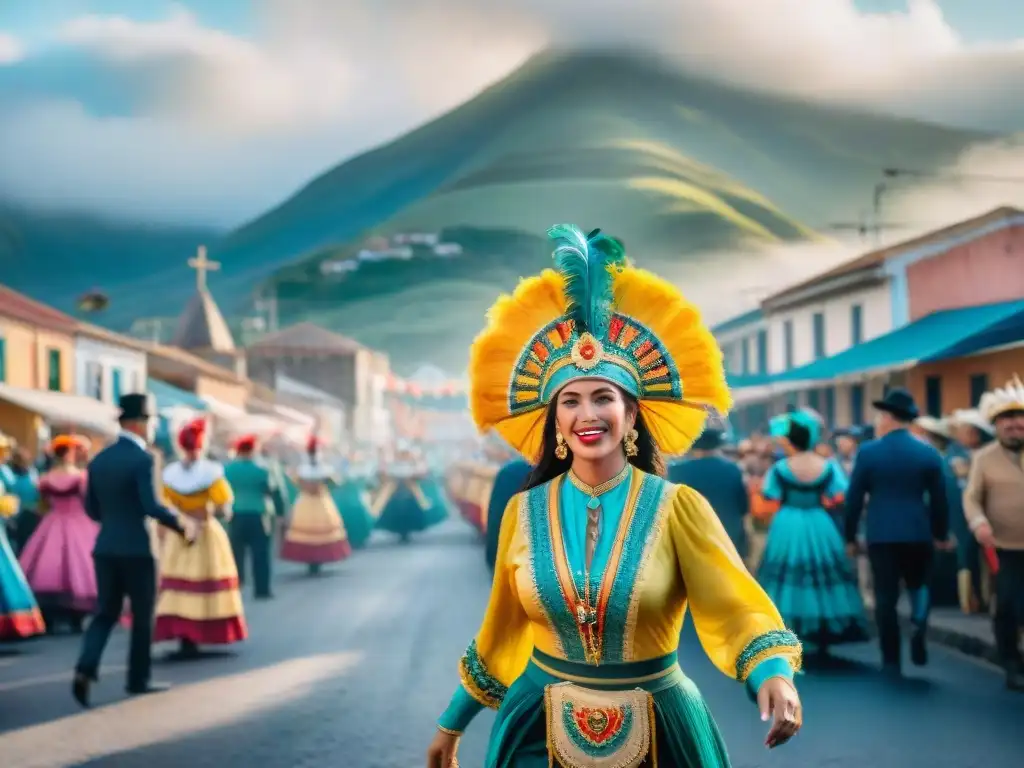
(805,569)
(352,498)
(19,613)
(404,503)
(199,602)
(57,559)
(593,370)
(315,533)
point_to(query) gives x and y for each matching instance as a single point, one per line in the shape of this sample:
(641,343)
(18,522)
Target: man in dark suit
(120,496)
(903,481)
(718,480)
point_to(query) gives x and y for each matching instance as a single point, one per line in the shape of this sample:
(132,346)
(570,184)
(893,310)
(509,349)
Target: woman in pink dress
(57,560)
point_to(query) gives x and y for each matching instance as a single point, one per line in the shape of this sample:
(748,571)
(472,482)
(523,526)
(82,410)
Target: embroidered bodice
(198,488)
(64,492)
(783,486)
(660,550)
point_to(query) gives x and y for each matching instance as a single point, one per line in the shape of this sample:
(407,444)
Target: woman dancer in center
(593,370)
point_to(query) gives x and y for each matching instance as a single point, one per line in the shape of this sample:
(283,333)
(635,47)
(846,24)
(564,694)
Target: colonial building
(107,364)
(37,375)
(331,363)
(941,313)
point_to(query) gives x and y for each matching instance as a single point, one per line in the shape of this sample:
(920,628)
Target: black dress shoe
(80,689)
(148,688)
(918,648)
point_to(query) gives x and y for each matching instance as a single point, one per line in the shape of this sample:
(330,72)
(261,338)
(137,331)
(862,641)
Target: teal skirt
(686,736)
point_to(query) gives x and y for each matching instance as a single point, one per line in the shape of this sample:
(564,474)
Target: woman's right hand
(443,750)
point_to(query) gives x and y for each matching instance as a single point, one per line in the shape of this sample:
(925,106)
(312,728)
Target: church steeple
(201,327)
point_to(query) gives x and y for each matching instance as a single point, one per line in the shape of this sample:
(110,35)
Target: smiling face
(593,417)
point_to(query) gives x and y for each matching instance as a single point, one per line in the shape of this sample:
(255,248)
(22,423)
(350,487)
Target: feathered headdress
(595,316)
(191,436)
(69,442)
(804,417)
(1006,399)
(245,444)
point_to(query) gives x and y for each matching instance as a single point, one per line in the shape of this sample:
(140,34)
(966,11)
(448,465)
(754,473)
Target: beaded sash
(588,728)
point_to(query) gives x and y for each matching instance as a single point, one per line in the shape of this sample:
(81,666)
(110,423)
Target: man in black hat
(120,496)
(903,479)
(718,480)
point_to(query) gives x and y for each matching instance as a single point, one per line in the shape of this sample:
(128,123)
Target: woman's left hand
(779,700)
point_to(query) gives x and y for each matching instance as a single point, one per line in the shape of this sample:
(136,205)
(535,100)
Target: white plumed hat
(1002,400)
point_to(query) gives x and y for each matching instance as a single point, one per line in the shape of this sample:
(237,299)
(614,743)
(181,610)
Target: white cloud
(235,124)
(11,49)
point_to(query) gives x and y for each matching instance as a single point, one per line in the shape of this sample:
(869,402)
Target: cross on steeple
(202,265)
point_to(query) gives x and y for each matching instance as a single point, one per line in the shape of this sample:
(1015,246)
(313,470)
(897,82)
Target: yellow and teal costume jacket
(662,552)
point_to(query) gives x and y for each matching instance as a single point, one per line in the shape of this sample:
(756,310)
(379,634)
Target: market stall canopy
(941,335)
(170,397)
(78,411)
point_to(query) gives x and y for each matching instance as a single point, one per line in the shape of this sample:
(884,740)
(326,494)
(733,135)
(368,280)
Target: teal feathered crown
(588,263)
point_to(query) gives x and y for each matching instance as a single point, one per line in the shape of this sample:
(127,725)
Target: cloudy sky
(209,111)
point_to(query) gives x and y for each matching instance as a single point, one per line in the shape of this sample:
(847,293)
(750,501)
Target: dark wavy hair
(648,458)
(799,437)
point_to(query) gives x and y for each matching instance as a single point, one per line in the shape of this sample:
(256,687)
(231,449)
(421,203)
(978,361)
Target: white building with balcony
(108,365)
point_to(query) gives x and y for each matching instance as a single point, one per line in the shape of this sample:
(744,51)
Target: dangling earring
(561,449)
(630,443)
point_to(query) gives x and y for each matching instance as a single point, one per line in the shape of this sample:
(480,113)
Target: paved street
(350,669)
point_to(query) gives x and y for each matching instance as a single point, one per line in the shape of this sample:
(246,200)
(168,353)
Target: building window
(115,384)
(856,405)
(814,400)
(787,343)
(3,359)
(762,351)
(856,324)
(979,386)
(745,357)
(830,408)
(53,372)
(933,396)
(94,379)
(819,335)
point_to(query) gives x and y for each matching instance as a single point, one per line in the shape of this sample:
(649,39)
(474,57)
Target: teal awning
(939,336)
(743,380)
(169,396)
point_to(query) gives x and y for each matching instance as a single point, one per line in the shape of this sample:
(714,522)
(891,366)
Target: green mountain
(56,257)
(677,166)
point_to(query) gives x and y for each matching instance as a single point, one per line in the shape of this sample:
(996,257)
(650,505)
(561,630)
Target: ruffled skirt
(806,573)
(58,564)
(404,512)
(353,505)
(199,599)
(686,735)
(19,613)
(316,533)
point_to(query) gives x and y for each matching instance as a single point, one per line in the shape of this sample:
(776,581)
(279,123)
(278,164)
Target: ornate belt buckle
(588,728)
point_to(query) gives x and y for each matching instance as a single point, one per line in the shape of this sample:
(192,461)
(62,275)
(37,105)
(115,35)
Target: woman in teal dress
(19,613)
(592,371)
(352,498)
(405,500)
(805,569)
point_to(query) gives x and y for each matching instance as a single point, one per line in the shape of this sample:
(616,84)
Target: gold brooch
(587,352)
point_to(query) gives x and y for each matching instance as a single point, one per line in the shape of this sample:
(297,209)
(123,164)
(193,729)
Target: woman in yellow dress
(592,371)
(316,533)
(199,601)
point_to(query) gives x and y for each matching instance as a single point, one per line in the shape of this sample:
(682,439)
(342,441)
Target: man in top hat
(904,481)
(995,514)
(718,480)
(120,496)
